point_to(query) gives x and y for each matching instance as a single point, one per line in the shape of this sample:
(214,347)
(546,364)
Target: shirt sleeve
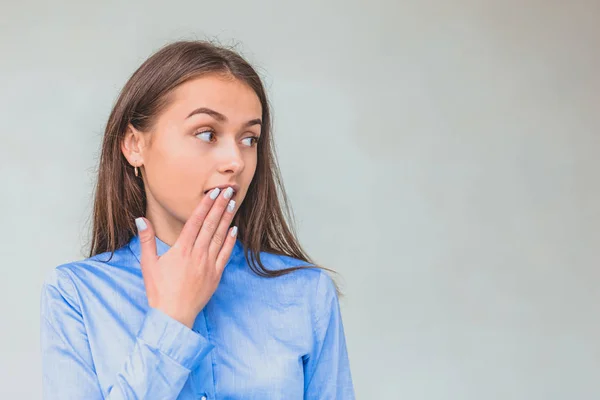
(158,365)
(327,368)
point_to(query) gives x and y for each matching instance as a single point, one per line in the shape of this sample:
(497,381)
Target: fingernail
(141,224)
(231,205)
(234,231)
(228,193)
(215,193)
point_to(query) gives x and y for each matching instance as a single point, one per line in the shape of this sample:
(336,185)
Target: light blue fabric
(257,338)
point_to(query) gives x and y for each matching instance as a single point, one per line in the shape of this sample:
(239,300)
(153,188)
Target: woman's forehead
(224,94)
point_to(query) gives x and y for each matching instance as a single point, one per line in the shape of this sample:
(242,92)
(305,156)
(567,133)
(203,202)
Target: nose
(230,160)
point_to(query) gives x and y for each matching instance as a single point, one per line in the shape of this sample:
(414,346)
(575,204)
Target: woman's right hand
(182,281)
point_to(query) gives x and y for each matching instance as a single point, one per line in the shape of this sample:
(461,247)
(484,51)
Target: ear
(133,145)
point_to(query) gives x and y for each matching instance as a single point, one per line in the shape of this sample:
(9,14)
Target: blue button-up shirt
(257,338)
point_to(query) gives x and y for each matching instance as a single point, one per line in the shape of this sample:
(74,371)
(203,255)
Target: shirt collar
(162,247)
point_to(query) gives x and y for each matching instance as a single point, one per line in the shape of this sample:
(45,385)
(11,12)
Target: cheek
(249,171)
(248,175)
(176,177)
(250,164)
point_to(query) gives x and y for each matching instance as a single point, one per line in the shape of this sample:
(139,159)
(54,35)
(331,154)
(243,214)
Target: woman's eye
(250,141)
(207,136)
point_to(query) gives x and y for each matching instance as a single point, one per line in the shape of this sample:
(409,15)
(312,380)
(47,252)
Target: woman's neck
(167,226)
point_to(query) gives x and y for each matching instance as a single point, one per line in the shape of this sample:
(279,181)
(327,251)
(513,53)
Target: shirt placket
(203,375)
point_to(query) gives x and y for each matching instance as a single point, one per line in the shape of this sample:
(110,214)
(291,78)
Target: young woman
(195,287)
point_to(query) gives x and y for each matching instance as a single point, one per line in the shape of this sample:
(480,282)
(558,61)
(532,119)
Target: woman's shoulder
(59,289)
(309,279)
(66,277)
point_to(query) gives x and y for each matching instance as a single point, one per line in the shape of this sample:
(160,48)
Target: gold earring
(135,169)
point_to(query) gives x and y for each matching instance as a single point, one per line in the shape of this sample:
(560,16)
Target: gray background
(441,155)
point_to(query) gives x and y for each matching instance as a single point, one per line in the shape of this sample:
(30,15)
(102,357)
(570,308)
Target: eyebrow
(220,117)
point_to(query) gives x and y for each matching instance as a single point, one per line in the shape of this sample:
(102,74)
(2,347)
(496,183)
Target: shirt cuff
(174,339)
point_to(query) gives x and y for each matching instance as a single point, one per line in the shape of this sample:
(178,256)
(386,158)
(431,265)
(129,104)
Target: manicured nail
(231,205)
(215,193)
(141,224)
(234,231)
(228,193)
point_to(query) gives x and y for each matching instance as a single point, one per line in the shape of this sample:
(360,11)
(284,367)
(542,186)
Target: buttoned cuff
(172,338)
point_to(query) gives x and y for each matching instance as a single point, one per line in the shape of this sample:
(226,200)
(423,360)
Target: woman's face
(205,138)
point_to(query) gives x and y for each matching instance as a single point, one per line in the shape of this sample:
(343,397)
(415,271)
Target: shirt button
(203,397)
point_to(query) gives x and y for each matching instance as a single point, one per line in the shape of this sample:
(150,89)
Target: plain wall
(441,155)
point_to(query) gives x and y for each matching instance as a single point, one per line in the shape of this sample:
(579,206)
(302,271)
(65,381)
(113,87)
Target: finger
(147,241)
(148,256)
(220,235)
(192,226)
(211,222)
(226,250)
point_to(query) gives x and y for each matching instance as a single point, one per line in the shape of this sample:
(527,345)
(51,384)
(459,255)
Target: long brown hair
(264,219)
